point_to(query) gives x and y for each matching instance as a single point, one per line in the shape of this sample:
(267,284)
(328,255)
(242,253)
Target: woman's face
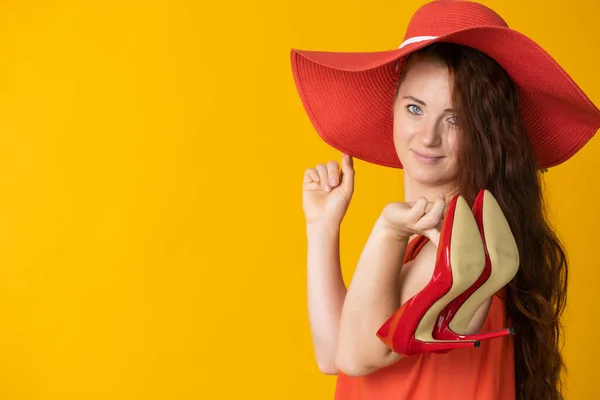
(425,130)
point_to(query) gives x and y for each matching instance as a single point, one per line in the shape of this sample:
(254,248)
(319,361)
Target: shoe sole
(467,261)
(504,259)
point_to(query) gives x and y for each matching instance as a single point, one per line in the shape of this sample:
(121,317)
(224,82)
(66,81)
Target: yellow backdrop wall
(151,156)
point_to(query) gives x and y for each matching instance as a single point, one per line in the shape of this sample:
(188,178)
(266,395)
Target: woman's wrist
(322,229)
(384,228)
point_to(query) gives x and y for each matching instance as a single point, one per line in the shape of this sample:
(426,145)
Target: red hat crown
(446,16)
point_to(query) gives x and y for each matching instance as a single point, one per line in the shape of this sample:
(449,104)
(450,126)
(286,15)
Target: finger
(347,163)
(418,209)
(311,175)
(411,204)
(429,206)
(333,172)
(322,170)
(422,203)
(433,235)
(347,173)
(432,218)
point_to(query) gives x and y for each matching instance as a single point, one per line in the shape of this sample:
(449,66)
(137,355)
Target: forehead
(425,77)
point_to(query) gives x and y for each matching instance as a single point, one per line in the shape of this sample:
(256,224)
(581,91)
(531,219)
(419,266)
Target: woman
(458,122)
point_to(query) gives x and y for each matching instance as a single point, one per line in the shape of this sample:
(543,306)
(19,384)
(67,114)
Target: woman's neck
(414,190)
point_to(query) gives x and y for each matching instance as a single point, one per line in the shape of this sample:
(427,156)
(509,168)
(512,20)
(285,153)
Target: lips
(426,158)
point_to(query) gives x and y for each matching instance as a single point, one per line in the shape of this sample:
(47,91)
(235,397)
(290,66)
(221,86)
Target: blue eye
(452,120)
(413,109)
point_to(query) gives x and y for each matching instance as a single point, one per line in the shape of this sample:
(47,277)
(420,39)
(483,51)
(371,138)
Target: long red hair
(494,153)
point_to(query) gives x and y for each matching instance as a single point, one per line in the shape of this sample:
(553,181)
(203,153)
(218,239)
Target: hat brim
(349,96)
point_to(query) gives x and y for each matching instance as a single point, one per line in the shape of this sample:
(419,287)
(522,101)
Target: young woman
(464,105)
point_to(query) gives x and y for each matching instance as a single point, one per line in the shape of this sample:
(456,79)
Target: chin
(430,176)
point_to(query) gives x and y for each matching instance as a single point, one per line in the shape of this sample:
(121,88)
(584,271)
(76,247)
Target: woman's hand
(420,217)
(326,192)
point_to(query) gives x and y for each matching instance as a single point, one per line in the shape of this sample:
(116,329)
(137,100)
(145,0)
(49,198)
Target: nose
(431,134)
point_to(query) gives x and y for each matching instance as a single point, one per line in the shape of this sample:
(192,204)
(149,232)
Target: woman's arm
(326,196)
(378,288)
(326,292)
(373,296)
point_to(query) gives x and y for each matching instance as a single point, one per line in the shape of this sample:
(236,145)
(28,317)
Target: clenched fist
(418,217)
(327,191)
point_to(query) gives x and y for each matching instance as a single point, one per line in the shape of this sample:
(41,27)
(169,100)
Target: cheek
(452,143)
(403,133)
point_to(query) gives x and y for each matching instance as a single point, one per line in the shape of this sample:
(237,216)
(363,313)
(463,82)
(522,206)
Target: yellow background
(152,239)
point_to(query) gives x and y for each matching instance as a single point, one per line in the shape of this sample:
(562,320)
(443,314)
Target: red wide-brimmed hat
(349,96)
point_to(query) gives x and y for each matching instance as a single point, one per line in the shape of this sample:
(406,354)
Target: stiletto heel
(501,265)
(460,261)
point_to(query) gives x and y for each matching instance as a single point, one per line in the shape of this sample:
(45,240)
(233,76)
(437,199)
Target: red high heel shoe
(501,265)
(460,261)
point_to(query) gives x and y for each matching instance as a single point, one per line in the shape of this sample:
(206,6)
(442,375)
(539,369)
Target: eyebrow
(421,102)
